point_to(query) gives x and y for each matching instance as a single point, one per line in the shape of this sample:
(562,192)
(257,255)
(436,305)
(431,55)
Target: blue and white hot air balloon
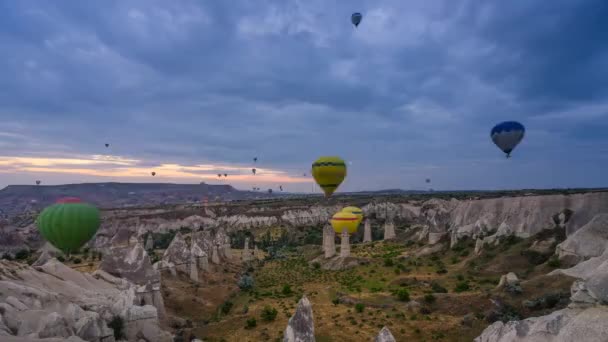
(355,18)
(506,135)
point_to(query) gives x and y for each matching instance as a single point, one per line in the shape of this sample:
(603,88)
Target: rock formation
(389,230)
(133,264)
(589,241)
(255,251)
(54,300)
(246,253)
(329,243)
(193,268)
(367,232)
(178,253)
(583,320)
(227,248)
(385,336)
(149,242)
(300,327)
(345,244)
(215,258)
(510,283)
(199,256)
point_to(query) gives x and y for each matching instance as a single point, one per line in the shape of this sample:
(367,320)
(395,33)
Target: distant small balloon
(153,173)
(428,180)
(225,175)
(269,191)
(356,18)
(37,182)
(253,171)
(219,175)
(281,187)
(107,145)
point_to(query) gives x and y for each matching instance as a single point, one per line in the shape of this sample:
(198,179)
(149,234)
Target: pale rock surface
(329,243)
(367,231)
(53,300)
(345,244)
(178,253)
(215,256)
(164,265)
(523,216)
(591,240)
(387,210)
(389,230)
(300,327)
(385,336)
(246,253)
(149,243)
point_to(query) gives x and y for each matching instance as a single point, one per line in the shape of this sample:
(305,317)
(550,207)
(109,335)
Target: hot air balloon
(428,180)
(269,191)
(345,220)
(68,224)
(253,171)
(281,187)
(107,145)
(329,172)
(153,173)
(354,210)
(37,182)
(219,175)
(225,175)
(356,18)
(255,159)
(506,135)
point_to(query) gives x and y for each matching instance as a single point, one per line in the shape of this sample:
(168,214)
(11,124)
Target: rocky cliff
(54,300)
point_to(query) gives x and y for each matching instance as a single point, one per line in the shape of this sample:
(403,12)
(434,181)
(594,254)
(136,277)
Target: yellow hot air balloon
(329,172)
(356,211)
(345,220)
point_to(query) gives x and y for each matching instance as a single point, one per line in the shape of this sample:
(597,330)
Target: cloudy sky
(190,89)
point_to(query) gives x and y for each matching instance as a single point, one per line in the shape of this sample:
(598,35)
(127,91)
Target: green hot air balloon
(68,224)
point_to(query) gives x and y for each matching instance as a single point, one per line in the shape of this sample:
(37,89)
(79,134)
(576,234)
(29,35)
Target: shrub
(76,260)
(251,323)
(316,265)
(269,313)
(22,254)
(388,262)
(438,288)
(429,298)
(287,290)
(226,306)
(403,295)
(460,277)
(554,262)
(335,301)
(462,286)
(61,258)
(117,324)
(359,307)
(246,282)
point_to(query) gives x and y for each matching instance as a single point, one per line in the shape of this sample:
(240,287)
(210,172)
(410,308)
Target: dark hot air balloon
(153,173)
(107,145)
(225,175)
(356,18)
(506,135)
(253,171)
(37,182)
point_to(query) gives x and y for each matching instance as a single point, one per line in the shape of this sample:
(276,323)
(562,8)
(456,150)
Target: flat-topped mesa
(367,231)
(345,244)
(329,243)
(389,230)
(301,327)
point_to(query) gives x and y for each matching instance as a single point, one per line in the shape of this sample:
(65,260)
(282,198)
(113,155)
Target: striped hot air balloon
(345,220)
(329,173)
(356,211)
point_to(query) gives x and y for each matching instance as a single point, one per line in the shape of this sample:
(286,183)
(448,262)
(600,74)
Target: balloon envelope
(354,210)
(344,220)
(68,226)
(153,173)
(329,172)
(356,18)
(69,200)
(506,135)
